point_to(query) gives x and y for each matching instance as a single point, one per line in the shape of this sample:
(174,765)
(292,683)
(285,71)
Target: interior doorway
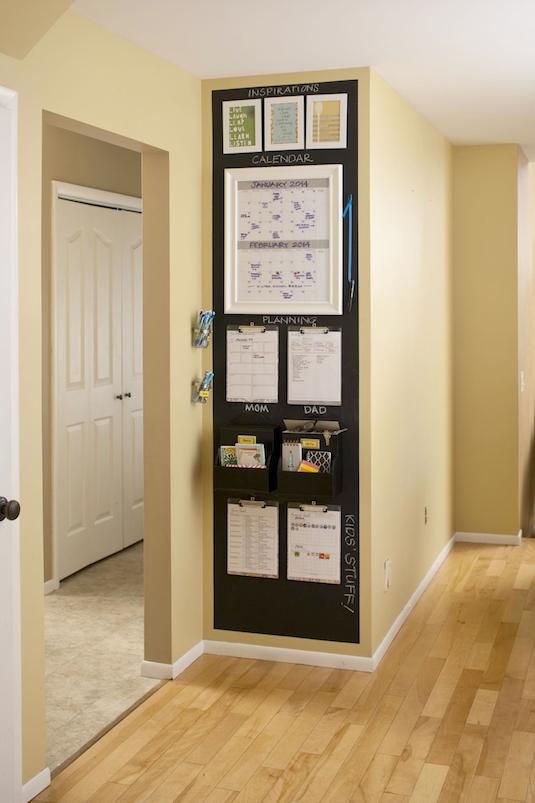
(93,437)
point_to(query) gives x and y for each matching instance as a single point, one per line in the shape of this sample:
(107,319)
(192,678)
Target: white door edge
(9,101)
(89,195)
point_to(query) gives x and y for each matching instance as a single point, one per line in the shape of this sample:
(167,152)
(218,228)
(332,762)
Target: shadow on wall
(527,512)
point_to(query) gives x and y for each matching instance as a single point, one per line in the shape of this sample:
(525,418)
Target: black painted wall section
(283,607)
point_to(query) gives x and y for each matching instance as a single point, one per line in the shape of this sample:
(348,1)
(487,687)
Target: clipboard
(252,364)
(315,365)
(253,538)
(314,543)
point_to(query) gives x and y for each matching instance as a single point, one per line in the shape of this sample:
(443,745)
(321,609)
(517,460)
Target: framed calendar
(283,240)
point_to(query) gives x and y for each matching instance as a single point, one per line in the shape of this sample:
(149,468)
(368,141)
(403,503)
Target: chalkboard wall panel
(280,606)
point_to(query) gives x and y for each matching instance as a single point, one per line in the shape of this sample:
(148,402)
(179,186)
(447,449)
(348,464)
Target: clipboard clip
(252,327)
(251,503)
(313,507)
(304,330)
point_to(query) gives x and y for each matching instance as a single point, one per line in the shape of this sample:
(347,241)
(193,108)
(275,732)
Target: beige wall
(24,22)
(150,102)
(485,241)
(411,372)
(76,159)
(363,77)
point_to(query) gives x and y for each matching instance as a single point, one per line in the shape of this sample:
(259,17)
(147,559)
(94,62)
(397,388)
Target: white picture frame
(232,126)
(288,116)
(334,121)
(289,265)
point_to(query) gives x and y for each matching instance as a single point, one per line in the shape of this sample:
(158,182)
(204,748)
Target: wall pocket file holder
(317,442)
(236,478)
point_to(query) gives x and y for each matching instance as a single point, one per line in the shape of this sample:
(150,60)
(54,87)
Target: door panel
(103,329)
(76,479)
(87,442)
(133,379)
(74,310)
(104,459)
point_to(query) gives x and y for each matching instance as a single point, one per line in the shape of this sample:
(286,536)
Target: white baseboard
(357,663)
(50,586)
(152,669)
(490,538)
(400,619)
(35,785)
(285,655)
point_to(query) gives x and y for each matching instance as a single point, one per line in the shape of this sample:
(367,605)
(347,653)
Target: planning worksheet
(252,365)
(315,366)
(253,538)
(314,544)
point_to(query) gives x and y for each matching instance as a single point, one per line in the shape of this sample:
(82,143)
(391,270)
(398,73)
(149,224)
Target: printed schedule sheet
(315,367)
(253,539)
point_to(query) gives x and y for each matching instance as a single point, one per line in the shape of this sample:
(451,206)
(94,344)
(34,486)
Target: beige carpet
(94,649)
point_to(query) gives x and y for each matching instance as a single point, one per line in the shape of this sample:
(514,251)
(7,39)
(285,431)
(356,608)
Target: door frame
(63,191)
(12,761)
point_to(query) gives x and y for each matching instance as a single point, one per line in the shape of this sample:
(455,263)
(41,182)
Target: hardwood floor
(448,716)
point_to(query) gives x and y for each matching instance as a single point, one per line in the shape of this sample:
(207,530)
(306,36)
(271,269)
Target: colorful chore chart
(314,543)
(284,247)
(252,364)
(253,538)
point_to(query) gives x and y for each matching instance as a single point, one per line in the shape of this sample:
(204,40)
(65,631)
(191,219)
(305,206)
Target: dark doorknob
(9,509)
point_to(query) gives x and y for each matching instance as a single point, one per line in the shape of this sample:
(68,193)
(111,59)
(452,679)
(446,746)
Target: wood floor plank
(483,707)
(500,731)
(429,784)
(404,776)
(483,790)
(515,779)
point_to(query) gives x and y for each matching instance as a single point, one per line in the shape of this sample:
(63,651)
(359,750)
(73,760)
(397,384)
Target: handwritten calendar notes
(284,123)
(314,543)
(242,126)
(283,248)
(284,240)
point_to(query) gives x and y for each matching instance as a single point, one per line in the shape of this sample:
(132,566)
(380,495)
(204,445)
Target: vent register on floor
(285,359)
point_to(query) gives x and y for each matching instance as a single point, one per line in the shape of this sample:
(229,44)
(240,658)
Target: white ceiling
(467,65)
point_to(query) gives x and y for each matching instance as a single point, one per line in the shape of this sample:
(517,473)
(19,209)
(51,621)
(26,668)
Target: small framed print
(242,126)
(327,121)
(284,124)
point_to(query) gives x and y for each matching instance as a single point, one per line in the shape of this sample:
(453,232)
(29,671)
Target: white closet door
(132,379)
(88,362)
